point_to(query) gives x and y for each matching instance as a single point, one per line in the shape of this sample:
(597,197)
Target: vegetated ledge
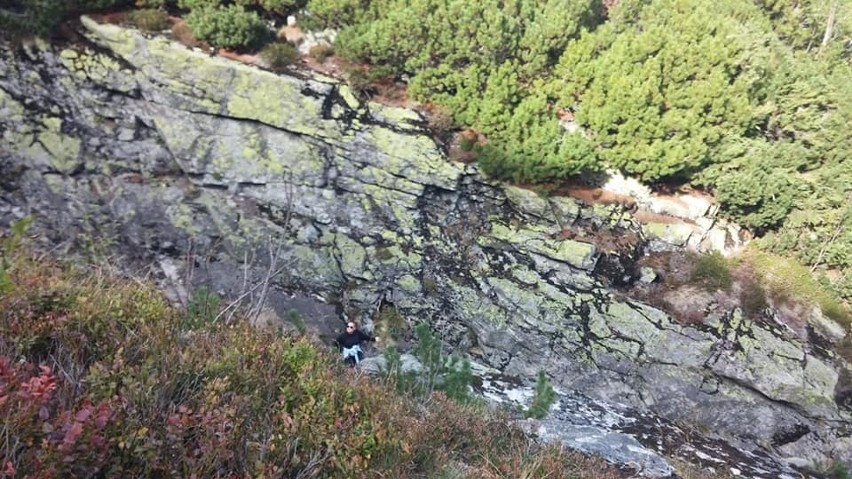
(100,376)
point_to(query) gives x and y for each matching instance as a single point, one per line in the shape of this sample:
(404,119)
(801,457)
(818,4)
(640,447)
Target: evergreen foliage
(543,397)
(663,94)
(150,3)
(30,17)
(279,55)
(229,27)
(149,19)
(802,23)
(450,374)
(94,5)
(479,61)
(271,6)
(200,4)
(202,308)
(533,148)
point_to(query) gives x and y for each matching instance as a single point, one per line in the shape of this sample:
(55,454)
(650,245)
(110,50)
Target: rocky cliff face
(222,174)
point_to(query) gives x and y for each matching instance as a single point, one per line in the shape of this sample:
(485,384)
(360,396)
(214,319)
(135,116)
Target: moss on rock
(415,157)
(534,239)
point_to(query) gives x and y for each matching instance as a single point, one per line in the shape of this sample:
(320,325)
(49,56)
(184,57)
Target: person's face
(350,328)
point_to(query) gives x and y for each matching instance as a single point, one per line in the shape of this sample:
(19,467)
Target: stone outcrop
(222,174)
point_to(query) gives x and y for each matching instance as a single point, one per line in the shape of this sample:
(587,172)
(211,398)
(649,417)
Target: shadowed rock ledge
(219,173)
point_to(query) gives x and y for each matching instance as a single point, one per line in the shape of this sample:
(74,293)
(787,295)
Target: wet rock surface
(289,193)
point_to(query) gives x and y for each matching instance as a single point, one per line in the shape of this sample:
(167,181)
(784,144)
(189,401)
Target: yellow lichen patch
(394,115)
(64,150)
(415,157)
(119,40)
(96,67)
(348,97)
(575,253)
(182,217)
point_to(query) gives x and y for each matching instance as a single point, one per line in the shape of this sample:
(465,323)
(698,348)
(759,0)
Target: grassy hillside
(100,377)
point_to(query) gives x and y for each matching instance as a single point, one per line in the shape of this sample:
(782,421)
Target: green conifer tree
(543,397)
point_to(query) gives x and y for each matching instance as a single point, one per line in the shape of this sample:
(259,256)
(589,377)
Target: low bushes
(279,55)
(35,17)
(151,3)
(89,5)
(321,52)
(230,27)
(712,272)
(100,377)
(149,19)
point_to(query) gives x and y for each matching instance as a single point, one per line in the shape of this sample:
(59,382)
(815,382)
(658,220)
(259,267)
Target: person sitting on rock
(349,343)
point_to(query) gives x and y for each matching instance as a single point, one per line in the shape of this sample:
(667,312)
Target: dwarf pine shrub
(543,397)
(88,5)
(34,17)
(449,374)
(279,55)
(321,52)
(149,19)
(452,375)
(150,3)
(228,27)
(199,4)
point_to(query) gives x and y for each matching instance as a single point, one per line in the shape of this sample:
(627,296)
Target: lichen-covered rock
(234,177)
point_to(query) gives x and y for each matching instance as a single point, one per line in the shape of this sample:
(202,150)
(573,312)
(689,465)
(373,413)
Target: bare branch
(233,304)
(829,26)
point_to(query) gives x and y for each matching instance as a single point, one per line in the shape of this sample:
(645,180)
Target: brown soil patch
(392,93)
(246,58)
(594,195)
(332,66)
(182,33)
(457,153)
(115,18)
(565,114)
